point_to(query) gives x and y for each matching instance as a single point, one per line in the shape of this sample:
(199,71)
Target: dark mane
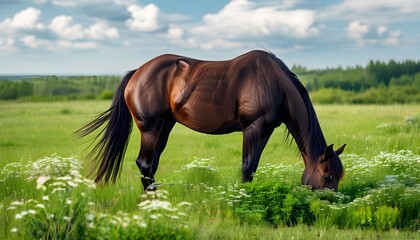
(309,138)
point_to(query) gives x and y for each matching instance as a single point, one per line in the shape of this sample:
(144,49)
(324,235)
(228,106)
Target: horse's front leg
(153,142)
(255,137)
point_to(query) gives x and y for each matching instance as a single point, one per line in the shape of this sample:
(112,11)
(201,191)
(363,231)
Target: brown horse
(253,93)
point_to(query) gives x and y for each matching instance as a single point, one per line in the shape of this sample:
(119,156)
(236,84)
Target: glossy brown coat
(253,93)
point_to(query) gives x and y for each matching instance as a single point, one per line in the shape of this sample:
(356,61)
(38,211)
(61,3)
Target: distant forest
(377,83)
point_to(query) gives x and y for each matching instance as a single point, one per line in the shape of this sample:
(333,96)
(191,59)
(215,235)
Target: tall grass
(379,195)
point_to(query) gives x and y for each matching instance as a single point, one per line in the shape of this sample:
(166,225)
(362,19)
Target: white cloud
(78,3)
(213,44)
(144,19)
(32,41)
(242,18)
(357,29)
(379,11)
(65,28)
(65,3)
(100,30)
(175,33)
(26,19)
(7,45)
(77,45)
(363,32)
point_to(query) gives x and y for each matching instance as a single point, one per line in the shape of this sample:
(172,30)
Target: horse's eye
(327,178)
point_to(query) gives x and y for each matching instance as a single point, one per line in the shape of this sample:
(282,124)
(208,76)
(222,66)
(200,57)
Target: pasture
(44,193)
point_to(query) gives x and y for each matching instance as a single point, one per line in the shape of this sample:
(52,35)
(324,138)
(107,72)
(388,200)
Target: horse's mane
(309,138)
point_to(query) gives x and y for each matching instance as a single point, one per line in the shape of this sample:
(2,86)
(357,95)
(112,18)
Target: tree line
(59,88)
(377,82)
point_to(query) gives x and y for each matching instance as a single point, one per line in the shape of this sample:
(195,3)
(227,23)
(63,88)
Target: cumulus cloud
(175,33)
(243,18)
(144,19)
(65,28)
(363,32)
(357,29)
(27,19)
(33,42)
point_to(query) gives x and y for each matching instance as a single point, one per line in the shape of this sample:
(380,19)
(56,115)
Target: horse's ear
(182,65)
(340,150)
(328,152)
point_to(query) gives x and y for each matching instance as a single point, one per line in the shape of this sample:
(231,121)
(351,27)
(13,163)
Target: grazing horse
(253,93)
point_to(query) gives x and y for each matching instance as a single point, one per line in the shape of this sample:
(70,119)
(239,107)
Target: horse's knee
(143,165)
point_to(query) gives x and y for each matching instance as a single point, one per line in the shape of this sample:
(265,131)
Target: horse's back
(207,96)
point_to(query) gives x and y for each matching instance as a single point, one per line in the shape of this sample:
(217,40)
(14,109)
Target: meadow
(45,193)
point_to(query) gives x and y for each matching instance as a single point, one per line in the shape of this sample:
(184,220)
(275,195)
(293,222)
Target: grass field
(204,171)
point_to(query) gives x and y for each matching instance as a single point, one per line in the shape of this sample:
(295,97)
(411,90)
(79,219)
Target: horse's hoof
(151,187)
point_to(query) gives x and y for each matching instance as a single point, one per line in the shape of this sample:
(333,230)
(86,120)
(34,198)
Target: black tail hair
(108,154)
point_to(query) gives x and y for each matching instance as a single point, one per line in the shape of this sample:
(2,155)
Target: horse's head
(327,172)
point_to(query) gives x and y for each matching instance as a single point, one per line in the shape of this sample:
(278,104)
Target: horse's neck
(303,125)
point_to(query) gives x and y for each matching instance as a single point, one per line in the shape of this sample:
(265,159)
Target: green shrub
(106,94)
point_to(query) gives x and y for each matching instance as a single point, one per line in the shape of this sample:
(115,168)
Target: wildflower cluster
(205,163)
(399,166)
(64,210)
(60,210)
(11,170)
(155,205)
(386,197)
(288,173)
(391,200)
(157,218)
(232,194)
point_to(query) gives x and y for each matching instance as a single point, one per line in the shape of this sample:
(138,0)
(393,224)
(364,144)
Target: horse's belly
(207,119)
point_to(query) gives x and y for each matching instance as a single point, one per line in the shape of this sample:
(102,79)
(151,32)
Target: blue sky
(113,36)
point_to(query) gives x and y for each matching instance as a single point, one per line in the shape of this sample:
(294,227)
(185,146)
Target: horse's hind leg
(153,142)
(255,137)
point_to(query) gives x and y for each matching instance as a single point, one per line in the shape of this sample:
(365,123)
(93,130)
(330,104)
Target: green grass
(31,131)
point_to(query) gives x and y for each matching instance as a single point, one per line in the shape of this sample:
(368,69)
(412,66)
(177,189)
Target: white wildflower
(68,201)
(18,216)
(182,214)
(58,190)
(40,206)
(14,230)
(65,178)
(155,216)
(72,184)
(45,198)
(184,204)
(16,203)
(173,216)
(90,217)
(41,181)
(58,184)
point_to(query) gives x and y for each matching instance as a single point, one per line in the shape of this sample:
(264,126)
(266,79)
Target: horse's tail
(107,155)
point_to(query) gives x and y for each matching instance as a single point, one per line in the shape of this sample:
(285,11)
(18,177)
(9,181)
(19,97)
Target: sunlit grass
(204,170)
